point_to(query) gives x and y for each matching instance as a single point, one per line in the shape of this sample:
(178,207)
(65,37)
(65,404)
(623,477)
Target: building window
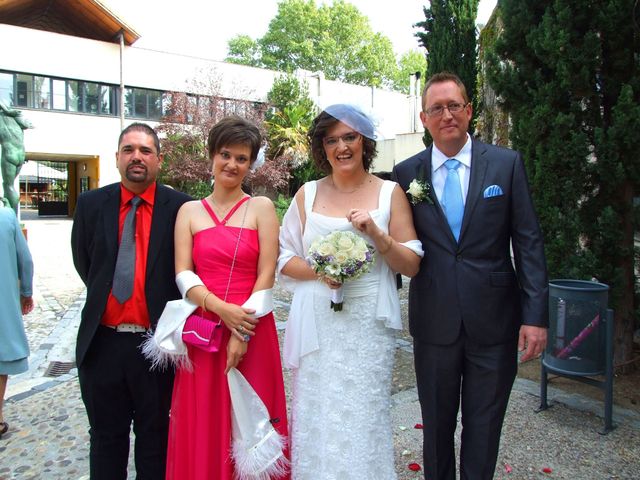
(59,94)
(143,103)
(91,98)
(192,108)
(140,103)
(155,105)
(24,90)
(73,96)
(42,92)
(167,102)
(108,100)
(6,88)
(128,102)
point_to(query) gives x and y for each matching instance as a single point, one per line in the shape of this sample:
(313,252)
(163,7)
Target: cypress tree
(450,40)
(567,72)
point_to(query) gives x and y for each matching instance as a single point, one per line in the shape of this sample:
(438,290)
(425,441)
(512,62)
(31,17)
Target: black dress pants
(118,390)
(477,377)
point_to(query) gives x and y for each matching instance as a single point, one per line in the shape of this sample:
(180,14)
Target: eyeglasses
(438,110)
(347,139)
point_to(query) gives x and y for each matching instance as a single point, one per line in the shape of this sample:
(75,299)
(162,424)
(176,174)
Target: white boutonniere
(420,190)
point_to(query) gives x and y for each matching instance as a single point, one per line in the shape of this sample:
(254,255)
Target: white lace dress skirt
(341,422)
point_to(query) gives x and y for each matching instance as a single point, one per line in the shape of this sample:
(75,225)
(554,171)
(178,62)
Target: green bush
(282,204)
(197,189)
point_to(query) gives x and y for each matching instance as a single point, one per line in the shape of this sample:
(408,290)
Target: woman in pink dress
(209,235)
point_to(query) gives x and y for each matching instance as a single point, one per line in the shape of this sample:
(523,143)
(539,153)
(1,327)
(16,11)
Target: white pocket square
(493,191)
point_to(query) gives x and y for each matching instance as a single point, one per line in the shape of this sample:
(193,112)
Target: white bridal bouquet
(341,256)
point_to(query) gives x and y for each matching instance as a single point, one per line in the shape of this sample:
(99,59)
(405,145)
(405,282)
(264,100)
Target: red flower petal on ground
(507,468)
(418,426)
(546,470)
(414,467)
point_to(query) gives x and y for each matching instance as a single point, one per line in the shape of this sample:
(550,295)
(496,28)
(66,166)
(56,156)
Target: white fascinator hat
(356,117)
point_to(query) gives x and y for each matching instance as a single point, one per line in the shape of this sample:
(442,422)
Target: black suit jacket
(94,244)
(473,282)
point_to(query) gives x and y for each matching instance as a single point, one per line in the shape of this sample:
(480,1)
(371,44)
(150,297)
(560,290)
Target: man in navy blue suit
(472,306)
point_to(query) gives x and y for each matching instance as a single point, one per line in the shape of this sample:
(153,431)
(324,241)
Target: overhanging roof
(79,18)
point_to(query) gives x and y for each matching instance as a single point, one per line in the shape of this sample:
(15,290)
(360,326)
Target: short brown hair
(141,127)
(319,127)
(442,77)
(234,130)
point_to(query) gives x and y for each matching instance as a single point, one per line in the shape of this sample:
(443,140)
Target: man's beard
(137,177)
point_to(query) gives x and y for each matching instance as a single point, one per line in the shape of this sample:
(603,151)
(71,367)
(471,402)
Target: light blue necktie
(452,197)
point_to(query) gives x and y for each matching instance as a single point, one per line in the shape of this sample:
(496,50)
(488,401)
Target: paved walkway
(48,438)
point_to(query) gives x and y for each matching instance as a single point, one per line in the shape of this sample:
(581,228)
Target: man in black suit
(471,307)
(117,386)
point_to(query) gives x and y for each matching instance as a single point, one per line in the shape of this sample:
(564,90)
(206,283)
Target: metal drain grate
(55,369)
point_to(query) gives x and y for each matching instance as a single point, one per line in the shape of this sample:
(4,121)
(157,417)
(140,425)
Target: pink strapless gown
(200,425)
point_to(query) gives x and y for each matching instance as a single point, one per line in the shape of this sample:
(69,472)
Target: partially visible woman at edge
(206,241)
(15,301)
(341,389)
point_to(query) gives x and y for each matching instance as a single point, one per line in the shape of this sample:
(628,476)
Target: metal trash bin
(576,337)
(580,338)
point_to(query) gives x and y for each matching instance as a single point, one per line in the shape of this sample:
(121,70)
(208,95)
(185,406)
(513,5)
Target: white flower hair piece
(259,160)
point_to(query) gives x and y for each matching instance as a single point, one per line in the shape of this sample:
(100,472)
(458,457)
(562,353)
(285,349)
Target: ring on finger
(240,328)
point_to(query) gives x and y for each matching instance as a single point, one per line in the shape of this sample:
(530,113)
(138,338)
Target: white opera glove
(260,301)
(186,280)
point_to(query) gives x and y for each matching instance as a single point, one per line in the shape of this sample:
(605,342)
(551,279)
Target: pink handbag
(202,332)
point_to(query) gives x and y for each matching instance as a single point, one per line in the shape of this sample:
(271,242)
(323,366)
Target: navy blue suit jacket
(474,282)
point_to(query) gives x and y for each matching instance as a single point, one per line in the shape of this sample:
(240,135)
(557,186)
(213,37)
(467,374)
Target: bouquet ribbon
(337,298)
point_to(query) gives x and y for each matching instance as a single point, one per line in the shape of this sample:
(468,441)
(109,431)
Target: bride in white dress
(340,411)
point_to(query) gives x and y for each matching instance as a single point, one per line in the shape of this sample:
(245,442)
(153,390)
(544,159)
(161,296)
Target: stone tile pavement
(48,438)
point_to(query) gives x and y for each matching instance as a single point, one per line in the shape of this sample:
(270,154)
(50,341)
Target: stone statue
(12,152)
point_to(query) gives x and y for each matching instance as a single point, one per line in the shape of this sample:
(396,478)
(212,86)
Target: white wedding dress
(340,411)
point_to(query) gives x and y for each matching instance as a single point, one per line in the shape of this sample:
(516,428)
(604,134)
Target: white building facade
(69,87)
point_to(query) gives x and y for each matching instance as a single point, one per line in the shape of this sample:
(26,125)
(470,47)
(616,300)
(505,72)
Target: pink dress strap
(231,212)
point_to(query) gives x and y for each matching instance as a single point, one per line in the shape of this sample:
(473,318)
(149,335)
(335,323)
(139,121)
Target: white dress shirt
(439,172)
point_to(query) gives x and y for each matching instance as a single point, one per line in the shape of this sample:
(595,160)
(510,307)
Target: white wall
(80,135)
(407,145)
(386,154)
(36,51)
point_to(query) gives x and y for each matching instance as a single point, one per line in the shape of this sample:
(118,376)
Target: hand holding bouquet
(340,256)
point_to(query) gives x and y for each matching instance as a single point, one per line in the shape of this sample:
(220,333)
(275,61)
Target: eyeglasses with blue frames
(438,110)
(348,139)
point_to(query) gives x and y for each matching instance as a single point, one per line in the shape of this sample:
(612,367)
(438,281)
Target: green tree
(244,50)
(410,62)
(450,39)
(572,87)
(492,122)
(287,126)
(334,39)
(288,90)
